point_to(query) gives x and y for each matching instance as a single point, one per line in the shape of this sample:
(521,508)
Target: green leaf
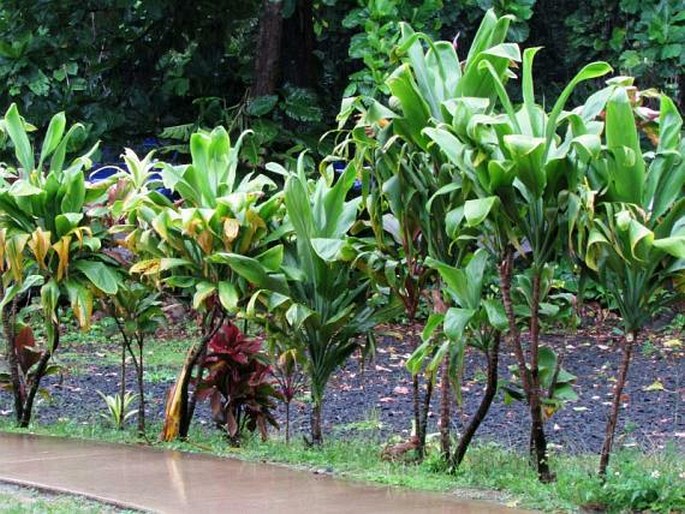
(53,136)
(16,289)
(203,290)
(476,211)
(22,146)
(456,321)
(228,296)
(101,276)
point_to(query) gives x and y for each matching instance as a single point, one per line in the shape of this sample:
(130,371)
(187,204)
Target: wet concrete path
(168,481)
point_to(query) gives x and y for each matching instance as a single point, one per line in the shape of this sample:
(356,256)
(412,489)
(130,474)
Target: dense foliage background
(130,70)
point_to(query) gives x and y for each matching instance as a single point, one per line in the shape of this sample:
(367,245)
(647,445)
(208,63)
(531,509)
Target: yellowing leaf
(231,229)
(146,267)
(15,255)
(206,240)
(61,247)
(673,343)
(39,245)
(655,386)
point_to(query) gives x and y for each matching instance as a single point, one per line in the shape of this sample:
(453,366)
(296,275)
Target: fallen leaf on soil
(381,368)
(401,390)
(673,343)
(654,386)
(580,409)
(386,399)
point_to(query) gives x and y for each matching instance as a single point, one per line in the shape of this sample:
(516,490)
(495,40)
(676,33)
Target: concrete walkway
(167,481)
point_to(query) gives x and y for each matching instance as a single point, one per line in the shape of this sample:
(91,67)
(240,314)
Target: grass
(637,481)
(20,500)
(164,356)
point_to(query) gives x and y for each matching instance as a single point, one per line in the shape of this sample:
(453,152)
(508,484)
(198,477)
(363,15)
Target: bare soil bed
(376,398)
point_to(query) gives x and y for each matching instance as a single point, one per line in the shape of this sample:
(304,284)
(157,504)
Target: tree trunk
(527,375)
(483,408)
(287,422)
(537,429)
(445,401)
(18,388)
(122,388)
(141,391)
(424,416)
(268,52)
(316,431)
(628,344)
(298,45)
(35,385)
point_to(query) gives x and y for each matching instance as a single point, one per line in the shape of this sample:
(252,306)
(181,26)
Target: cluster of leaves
(239,384)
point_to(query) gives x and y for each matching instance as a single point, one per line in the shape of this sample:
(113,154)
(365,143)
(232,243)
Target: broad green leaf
(228,296)
(476,211)
(628,172)
(100,275)
(22,146)
(203,290)
(456,321)
(53,136)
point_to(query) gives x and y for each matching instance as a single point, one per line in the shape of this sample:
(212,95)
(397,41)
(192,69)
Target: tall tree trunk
(483,408)
(268,53)
(628,343)
(298,45)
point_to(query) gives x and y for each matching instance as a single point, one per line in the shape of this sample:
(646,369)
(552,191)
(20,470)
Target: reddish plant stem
(628,343)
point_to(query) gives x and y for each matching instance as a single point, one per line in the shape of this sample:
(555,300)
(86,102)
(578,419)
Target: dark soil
(376,399)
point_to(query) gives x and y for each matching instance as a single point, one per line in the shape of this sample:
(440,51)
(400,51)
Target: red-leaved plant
(239,384)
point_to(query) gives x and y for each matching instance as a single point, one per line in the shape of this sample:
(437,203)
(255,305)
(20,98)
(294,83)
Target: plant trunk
(445,401)
(268,52)
(141,391)
(188,405)
(537,429)
(628,344)
(316,431)
(122,388)
(35,385)
(18,388)
(287,422)
(424,415)
(483,408)
(527,375)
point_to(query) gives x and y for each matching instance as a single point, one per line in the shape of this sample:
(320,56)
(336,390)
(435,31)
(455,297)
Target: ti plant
(178,245)
(473,319)
(417,187)
(520,171)
(137,313)
(631,220)
(239,383)
(50,247)
(321,295)
(118,408)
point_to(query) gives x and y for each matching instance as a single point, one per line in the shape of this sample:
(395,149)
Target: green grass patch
(21,500)
(636,481)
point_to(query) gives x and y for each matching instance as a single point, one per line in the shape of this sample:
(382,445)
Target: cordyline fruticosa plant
(50,250)
(630,228)
(519,170)
(324,305)
(177,244)
(412,188)
(239,383)
(137,312)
